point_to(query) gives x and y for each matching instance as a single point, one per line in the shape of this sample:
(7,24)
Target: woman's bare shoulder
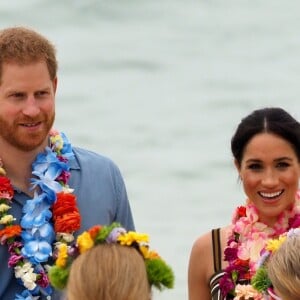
(201,265)
(204,242)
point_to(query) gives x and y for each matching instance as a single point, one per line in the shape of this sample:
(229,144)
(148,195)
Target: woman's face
(269,172)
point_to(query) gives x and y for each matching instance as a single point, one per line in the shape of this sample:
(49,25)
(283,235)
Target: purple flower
(14,259)
(114,234)
(64,177)
(230,254)
(226,285)
(42,280)
(295,221)
(14,246)
(73,251)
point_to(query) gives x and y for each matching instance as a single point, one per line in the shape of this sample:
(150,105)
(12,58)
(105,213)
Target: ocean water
(160,86)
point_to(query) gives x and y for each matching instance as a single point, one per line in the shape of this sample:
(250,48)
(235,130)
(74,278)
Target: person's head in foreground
(109,263)
(279,274)
(108,271)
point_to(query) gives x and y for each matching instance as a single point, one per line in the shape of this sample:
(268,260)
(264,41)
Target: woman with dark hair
(266,151)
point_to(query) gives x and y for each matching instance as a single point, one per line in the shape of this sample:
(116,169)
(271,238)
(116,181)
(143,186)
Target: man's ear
(54,84)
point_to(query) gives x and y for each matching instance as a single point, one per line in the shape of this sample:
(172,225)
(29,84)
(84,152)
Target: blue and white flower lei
(38,234)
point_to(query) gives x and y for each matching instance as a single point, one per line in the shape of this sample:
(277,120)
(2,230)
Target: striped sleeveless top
(217,257)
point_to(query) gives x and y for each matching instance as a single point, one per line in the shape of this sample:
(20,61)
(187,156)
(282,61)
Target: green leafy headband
(160,275)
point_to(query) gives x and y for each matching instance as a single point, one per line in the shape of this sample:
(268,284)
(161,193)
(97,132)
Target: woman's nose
(270,178)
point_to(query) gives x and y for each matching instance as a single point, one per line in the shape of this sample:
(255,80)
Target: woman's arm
(200,268)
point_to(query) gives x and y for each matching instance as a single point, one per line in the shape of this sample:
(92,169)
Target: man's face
(27,105)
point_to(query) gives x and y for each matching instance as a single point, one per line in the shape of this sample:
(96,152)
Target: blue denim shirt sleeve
(101,198)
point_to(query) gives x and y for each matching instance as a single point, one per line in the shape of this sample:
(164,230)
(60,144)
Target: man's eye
(17,95)
(41,93)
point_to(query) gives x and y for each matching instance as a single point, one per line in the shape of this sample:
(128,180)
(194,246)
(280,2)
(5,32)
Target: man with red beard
(49,190)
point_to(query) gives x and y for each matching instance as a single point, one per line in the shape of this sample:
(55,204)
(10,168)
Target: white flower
(67,237)
(20,270)
(29,279)
(67,189)
(25,273)
(7,219)
(4,207)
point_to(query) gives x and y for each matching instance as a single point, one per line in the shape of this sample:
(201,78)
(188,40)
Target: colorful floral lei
(160,275)
(30,242)
(249,237)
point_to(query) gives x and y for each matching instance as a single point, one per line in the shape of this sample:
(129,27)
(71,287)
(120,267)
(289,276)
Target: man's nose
(31,107)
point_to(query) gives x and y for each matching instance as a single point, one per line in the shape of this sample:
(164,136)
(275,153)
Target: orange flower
(9,232)
(93,231)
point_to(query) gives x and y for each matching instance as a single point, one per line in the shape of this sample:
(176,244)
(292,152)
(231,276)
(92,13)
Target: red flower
(65,213)
(241,211)
(6,189)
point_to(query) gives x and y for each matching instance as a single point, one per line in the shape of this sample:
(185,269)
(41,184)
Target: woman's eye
(255,166)
(283,165)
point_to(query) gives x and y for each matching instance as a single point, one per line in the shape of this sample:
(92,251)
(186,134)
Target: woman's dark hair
(273,120)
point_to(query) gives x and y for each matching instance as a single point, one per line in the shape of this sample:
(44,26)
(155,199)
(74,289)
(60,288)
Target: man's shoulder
(88,156)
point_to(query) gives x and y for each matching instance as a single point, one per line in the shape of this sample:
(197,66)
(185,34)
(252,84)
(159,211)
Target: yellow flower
(57,141)
(144,249)
(131,237)
(274,244)
(84,242)
(62,255)
(4,207)
(7,219)
(148,254)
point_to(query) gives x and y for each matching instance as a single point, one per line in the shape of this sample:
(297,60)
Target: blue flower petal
(26,236)
(26,295)
(37,251)
(46,232)
(30,248)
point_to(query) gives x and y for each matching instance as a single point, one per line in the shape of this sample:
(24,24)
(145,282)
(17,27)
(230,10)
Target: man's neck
(18,165)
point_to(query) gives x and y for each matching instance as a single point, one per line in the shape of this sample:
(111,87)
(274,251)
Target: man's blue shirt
(101,199)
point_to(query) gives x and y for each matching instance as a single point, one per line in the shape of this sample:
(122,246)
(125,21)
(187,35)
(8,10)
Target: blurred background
(159,87)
